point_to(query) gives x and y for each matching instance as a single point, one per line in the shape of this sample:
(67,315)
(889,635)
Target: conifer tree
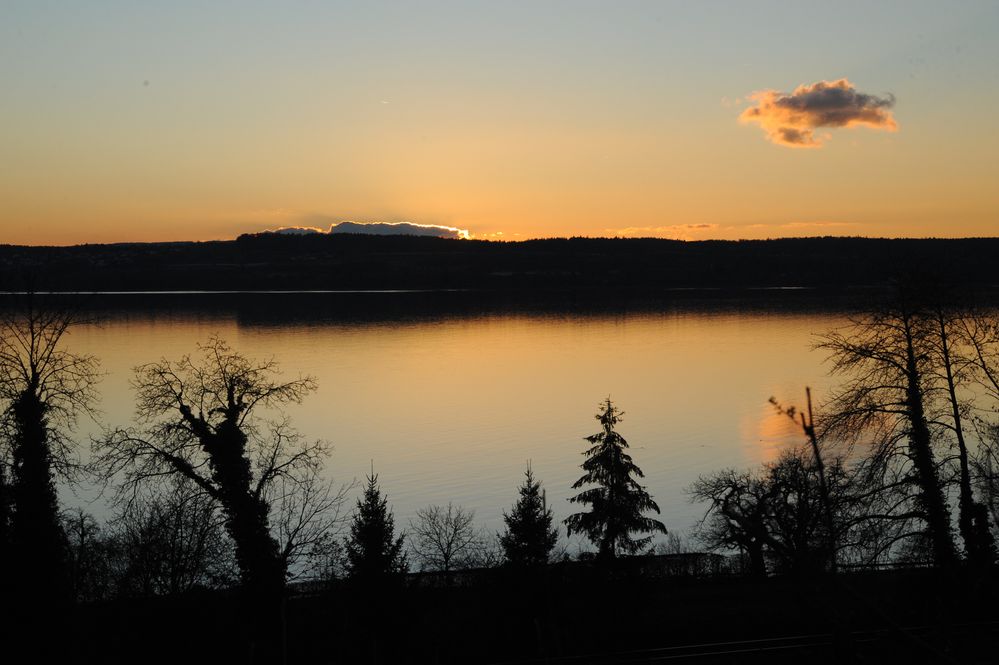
(530,536)
(617,501)
(373,550)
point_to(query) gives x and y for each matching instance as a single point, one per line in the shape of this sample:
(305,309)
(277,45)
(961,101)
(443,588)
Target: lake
(449,397)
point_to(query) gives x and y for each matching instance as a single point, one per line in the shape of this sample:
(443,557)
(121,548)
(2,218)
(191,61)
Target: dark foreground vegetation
(872,541)
(576,613)
(270,261)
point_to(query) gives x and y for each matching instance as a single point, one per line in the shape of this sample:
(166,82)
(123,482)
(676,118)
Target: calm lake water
(450,403)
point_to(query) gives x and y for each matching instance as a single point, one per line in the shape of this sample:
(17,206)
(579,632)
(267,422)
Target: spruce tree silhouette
(529,537)
(618,501)
(374,554)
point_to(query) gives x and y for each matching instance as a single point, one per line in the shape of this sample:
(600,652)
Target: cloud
(400,229)
(296,230)
(818,225)
(376,228)
(791,119)
(674,231)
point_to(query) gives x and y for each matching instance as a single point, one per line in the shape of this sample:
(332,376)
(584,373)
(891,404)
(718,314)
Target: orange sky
(188,123)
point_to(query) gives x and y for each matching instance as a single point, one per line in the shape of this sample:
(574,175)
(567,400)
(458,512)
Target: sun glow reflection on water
(452,408)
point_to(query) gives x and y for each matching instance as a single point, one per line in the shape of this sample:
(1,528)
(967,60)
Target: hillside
(319,262)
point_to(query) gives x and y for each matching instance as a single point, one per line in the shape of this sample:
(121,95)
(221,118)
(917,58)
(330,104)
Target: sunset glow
(508,120)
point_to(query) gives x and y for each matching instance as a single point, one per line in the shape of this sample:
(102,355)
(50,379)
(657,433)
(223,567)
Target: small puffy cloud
(400,229)
(791,119)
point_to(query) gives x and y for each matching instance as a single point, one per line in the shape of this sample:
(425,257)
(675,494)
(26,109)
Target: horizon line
(504,241)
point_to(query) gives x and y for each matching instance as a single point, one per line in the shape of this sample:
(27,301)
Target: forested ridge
(271,261)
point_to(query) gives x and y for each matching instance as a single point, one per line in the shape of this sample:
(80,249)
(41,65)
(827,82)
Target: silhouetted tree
(886,358)
(806,420)
(618,501)
(530,535)
(90,557)
(169,539)
(374,553)
(198,419)
(954,350)
(307,513)
(775,515)
(443,538)
(987,473)
(736,515)
(44,389)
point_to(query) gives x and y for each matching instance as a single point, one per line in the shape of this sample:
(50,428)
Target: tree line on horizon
(640,266)
(210,494)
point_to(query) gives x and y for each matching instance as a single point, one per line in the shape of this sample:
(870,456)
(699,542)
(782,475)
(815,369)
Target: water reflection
(450,401)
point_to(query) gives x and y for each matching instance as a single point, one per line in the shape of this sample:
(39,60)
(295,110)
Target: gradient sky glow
(125,121)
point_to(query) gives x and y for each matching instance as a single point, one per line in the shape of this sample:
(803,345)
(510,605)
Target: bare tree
(443,538)
(198,418)
(888,398)
(736,515)
(89,557)
(956,351)
(777,514)
(168,539)
(308,517)
(986,464)
(44,389)
(806,419)
(980,333)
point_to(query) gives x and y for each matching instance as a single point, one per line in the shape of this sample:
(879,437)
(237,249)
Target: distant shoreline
(297,292)
(269,263)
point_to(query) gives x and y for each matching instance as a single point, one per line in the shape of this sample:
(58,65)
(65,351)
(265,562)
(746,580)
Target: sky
(156,121)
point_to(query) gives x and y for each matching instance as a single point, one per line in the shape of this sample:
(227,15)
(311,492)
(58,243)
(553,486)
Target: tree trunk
(757,564)
(261,567)
(972,517)
(931,498)
(40,571)
(39,544)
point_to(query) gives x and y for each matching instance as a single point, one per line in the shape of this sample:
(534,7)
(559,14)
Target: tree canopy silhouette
(444,538)
(776,515)
(890,395)
(374,552)
(198,419)
(618,501)
(44,389)
(530,536)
